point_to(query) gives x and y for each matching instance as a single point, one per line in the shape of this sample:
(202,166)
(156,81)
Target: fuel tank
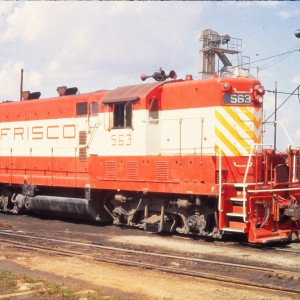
(64,207)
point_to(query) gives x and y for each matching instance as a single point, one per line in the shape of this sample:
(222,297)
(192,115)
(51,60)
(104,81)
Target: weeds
(55,289)
(12,283)
(7,280)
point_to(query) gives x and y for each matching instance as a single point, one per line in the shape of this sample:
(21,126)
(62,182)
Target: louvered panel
(162,170)
(82,154)
(132,170)
(111,169)
(82,137)
(82,142)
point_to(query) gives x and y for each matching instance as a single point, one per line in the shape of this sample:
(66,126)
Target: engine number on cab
(239,99)
(121,139)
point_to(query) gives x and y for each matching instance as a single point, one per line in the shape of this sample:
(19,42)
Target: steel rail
(286,250)
(149,253)
(196,274)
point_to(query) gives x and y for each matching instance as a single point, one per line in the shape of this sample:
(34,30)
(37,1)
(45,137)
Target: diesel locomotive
(176,155)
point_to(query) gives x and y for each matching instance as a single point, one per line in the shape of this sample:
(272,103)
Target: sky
(103,45)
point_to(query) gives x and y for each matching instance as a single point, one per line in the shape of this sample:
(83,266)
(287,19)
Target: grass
(10,283)
(7,280)
(55,289)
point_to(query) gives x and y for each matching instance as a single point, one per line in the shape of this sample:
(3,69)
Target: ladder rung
(235,215)
(238,199)
(240,184)
(230,229)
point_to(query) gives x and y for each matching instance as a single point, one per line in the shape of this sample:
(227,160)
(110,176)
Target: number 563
(121,139)
(240,99)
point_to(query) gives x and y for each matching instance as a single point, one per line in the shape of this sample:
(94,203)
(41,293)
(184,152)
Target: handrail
(294,169)
(285,131)
(249,164)
(244,182)
(220,180)
(274,190)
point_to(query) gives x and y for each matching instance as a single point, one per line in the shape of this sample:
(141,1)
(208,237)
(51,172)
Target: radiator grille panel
(162,170)
(132,170)
(111,169)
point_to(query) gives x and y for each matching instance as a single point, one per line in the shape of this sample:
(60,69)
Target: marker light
(259,99)
(226,87)
(259,89)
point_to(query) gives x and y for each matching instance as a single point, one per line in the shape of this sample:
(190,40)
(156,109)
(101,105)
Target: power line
(290,95)
(277,55)
(285,55)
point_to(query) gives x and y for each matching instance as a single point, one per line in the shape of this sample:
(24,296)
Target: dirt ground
(121,282)
(124,282)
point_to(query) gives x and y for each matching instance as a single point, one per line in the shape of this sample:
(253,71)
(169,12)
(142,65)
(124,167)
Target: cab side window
(122,115)
(153,111)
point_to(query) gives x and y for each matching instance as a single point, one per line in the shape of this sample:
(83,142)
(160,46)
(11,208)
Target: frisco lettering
(39,132)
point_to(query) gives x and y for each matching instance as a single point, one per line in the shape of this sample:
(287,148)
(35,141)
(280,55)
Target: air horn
(160,75)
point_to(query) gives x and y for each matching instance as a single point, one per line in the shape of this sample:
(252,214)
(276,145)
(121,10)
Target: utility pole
(297,34)
(21,84)
(275,116)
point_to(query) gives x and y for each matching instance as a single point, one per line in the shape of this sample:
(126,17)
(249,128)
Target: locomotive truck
(176,155)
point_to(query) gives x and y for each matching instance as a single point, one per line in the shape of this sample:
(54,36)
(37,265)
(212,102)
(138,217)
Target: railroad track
(293,248)
(287,250)
(241,274)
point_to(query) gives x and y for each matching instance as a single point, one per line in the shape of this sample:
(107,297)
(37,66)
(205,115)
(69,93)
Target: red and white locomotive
(181,156)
